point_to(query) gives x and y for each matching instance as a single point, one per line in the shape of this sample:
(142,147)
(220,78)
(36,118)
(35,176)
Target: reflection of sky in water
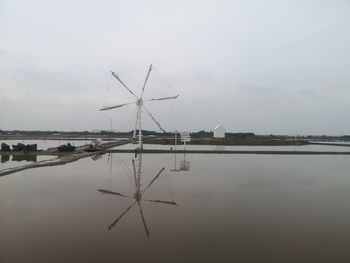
(244,208)
(241,148)
(14,161)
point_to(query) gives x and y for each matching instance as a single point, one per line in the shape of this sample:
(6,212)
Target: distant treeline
(209,134)
(198,134)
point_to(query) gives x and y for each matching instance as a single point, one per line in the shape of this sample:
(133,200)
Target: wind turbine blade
(144,221)
(156,122)
(103,191)
(146,79)
(153,180)
(161,201)
(165,98)
(116,106)
(117,77)
(120,217)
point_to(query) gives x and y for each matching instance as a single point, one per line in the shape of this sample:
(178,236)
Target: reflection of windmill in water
(138,194)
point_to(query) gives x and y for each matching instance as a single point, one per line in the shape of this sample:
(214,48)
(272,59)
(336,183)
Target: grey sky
(279,67)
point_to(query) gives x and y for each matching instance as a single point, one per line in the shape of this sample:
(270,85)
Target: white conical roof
(218,126)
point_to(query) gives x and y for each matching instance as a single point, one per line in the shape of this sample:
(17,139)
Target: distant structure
(219,132)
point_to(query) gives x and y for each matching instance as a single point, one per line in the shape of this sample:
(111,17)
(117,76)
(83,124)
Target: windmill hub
(139,102)
(137,196)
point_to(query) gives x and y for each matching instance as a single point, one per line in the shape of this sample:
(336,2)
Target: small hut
(219,132)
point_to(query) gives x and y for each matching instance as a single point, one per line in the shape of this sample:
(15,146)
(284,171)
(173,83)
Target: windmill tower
(140,105)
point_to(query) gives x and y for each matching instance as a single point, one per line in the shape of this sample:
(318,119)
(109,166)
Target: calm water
(248,148)
(230,208)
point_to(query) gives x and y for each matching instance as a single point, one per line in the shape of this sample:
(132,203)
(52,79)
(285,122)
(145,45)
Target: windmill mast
(139,123)
(140,104)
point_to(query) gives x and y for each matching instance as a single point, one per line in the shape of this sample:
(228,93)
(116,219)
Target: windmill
(137,197)
(139,104)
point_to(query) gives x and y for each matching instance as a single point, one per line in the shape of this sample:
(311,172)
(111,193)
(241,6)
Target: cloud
(266,67)
(261,89)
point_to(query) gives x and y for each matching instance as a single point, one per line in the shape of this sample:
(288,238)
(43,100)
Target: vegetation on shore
(152,137)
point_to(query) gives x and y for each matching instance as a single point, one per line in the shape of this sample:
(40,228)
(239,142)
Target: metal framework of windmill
(140,105)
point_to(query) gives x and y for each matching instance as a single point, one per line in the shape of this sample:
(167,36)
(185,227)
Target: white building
(219,132)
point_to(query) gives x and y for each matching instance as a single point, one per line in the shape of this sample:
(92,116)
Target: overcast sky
(280,67)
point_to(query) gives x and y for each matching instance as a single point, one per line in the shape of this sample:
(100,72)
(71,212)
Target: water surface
(230,208)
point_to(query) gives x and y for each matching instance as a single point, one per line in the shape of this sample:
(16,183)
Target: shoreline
(169,141)
(164,151)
